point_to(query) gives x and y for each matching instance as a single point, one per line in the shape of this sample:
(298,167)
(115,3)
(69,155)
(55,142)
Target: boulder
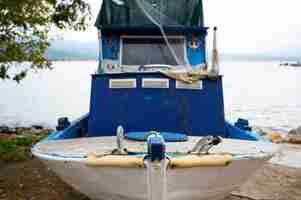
(38,127)
(4,129)
(21,130)
(294,136)
(274,137)
(7,130)
(296,131)
(263,131)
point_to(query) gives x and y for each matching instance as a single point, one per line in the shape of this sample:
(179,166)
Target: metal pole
(214,69)
(156,180)
(100,58)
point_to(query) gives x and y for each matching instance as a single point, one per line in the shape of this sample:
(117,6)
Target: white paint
(155,83)
(192,86)
(122,83)
(156,180)
(111,66)
(82,147)
(204,183)
(66,158)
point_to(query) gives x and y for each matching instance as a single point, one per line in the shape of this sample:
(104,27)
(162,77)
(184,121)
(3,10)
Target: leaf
(25,26)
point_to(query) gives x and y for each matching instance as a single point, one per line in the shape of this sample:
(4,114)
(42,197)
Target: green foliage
(15,149)
(25,27)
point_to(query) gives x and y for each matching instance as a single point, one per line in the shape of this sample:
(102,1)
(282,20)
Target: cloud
(255,26)
(245,26)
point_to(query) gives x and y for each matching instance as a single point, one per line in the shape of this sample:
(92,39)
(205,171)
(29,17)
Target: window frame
(151,37)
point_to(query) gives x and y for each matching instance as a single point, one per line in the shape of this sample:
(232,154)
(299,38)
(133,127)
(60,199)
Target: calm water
(263,92)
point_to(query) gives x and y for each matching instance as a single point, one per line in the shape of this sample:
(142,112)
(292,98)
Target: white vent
(122,83)
(155,83)
(186,86)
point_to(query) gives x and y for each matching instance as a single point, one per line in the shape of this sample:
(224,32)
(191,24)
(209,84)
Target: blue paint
(77,128)
(196,49)
(167,136)
(195,56)
(110,46)
(237,133)
(193,112)
(63,123)
(174,112)
(243,124)
(156,148)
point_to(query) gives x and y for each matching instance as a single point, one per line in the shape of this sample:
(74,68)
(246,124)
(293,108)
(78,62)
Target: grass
(17,148)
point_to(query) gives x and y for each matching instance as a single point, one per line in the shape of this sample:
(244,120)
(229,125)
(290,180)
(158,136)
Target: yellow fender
(190,161)
(118,161)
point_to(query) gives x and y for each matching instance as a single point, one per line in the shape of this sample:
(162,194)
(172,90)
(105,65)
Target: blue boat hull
(79,127)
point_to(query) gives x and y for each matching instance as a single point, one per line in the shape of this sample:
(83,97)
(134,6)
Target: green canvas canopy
(133,13)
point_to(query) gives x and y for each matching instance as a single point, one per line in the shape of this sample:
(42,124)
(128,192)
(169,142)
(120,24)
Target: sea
(266,94)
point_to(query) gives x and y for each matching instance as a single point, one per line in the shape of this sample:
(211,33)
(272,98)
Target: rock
(38,127)
(22,130)
(7,130)
(270,134)
(294,139)
(275,137)
(296,131)
(4,129)
(294,136)
(261,130)
(46,131)
(257,129)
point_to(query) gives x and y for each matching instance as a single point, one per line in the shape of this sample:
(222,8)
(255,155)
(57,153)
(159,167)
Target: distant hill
(72,50)
(78,50)
(258,57)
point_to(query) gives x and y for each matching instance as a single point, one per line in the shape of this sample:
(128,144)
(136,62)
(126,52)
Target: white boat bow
(68,158)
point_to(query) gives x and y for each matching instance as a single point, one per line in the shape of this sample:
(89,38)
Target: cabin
(138,39)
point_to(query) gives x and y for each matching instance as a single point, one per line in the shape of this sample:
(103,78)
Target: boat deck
(81,147)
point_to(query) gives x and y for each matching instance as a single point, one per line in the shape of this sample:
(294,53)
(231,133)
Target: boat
(296,64)
(291,64)
(156,128)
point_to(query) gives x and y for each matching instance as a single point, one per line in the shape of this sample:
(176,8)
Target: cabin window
(149,51)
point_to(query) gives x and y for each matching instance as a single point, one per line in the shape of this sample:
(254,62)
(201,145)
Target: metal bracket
(205,144)
(120,150)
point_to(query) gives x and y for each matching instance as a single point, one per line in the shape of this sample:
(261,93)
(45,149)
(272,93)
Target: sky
(244,26)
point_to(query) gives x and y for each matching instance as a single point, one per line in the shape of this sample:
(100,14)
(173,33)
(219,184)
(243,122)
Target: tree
(24,32)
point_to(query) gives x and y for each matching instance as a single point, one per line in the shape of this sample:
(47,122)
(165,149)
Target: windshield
(148,51)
